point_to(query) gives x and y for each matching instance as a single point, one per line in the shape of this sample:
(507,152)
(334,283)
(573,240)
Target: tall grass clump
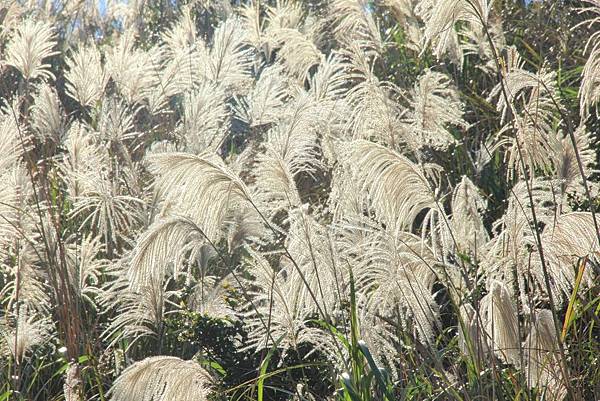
(346,200)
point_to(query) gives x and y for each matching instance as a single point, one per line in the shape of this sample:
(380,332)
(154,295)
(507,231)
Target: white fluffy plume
(162,378)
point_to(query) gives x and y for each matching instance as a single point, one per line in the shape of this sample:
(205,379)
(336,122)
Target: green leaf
(382,380)
(263,369)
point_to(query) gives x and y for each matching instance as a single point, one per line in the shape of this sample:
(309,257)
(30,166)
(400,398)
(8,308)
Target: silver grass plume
(277,190)
(244,226)
(354,22)
(435,106)
(328,89)
(138,312)
(566,168)
(375,111)
(132,69)
(281,299)
(288,32)
(487,150)
(116,123)
(542,357)
(265,102)
(285,14)
(529,108)
(313,247)
(250,14)
(182,35)
(290,149)
(535,135)
(209,297)
(204,120)
(442,16)
(13,11)
(467,225)
(27,283)
(397,189)
(297,50)
(83,158)
(328,83)
(162,378)
(229,59)
(72,387)
(175,75)
(200,187)
(395,273)
(589,91)
(500,319)
(106,209)
(15,193)
(85,267)
(86,76)
(116,134)
(568,240)
(159,251)
(508,249)
(13,140)
(517,81)
(345,199)
(380,336)
(209,196)
(471,338)
(47,115)
(21,332)
(475,39)
(29,46)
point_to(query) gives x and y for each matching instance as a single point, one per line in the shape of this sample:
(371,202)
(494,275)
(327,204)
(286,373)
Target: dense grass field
(273,200)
